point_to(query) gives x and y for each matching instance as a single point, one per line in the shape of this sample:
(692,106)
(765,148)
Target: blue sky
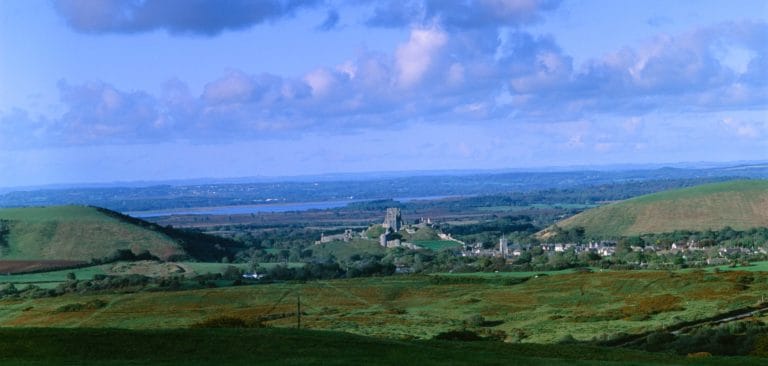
(109,90)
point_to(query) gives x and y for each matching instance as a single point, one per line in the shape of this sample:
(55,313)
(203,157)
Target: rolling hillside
(738,204)
(76,233)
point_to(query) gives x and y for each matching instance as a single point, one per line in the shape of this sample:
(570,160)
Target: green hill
(76,233)
(738,204)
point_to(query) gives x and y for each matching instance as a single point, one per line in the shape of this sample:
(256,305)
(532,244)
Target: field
(345,250)
(145,268)
(535,206)
(22,266)
(739,204)
(436,244)
(543,309)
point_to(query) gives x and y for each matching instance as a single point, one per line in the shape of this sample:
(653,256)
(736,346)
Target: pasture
(542,309)
(436,244)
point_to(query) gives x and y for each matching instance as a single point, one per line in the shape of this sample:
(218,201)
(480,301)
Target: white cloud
(415,56)
(740,128)
(319,80)
(234,87)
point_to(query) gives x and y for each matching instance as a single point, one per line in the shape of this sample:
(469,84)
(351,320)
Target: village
(694,253)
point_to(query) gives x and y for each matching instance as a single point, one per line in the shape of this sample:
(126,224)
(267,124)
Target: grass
(345,250)
(753,267)
(51,279)
(538,310)
(739,204)
(300,347)
(506,274)
(76,233)
(535,206)
(436,244)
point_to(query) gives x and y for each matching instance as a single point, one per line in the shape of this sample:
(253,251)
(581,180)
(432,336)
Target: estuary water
(262,208)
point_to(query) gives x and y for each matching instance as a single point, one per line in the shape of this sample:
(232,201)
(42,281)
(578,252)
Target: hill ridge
(86,233)
(739,204)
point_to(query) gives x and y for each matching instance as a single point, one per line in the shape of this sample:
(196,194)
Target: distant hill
(80,233)
(180,195)
(738,204)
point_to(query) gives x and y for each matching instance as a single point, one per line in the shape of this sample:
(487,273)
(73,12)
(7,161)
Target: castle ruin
(393,220)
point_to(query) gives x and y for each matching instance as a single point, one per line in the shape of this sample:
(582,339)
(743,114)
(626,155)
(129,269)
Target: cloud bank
(191,17)
(463,62)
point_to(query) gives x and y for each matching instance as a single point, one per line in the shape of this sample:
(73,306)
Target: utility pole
(298,311)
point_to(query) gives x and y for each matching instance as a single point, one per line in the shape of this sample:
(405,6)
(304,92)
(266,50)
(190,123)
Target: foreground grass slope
(75,233)
(300,347)
(739,204)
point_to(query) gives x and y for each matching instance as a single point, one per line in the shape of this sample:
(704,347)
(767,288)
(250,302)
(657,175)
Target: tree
(418,264)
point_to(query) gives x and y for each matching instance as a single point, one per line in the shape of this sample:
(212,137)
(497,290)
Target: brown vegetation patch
(23,266)
(642,307)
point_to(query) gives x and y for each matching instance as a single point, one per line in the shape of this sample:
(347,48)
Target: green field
(52,279)
(739,204)
(343,250)
(300,347)
(539,310)
(502,275)
(436,244)
(535,206)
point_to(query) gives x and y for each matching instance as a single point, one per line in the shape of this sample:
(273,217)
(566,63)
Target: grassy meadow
(543,309)
(436,244)
(52,279)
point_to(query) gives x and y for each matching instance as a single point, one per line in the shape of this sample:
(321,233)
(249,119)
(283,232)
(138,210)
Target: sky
(141,90)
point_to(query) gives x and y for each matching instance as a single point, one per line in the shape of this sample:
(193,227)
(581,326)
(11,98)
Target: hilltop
(80,233)
(739,204)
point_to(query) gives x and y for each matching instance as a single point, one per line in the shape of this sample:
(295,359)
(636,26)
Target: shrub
(75,307)
(476,320)
(459,335)
(229,322)
(699,355)
(566,339)
(761,346)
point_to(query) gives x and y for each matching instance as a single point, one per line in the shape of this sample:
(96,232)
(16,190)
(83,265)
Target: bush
(75,307)
(476,320)
(221,322)
(566,339)
(229,322)
(657,341)
(459,335)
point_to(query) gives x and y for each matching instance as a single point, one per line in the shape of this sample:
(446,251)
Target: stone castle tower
(393,220)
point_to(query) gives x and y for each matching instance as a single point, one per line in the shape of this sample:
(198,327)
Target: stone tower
(503,248)
(393,220)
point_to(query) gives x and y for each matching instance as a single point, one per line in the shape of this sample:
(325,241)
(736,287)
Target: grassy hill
(76,233)
(738,204)
(80,233)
